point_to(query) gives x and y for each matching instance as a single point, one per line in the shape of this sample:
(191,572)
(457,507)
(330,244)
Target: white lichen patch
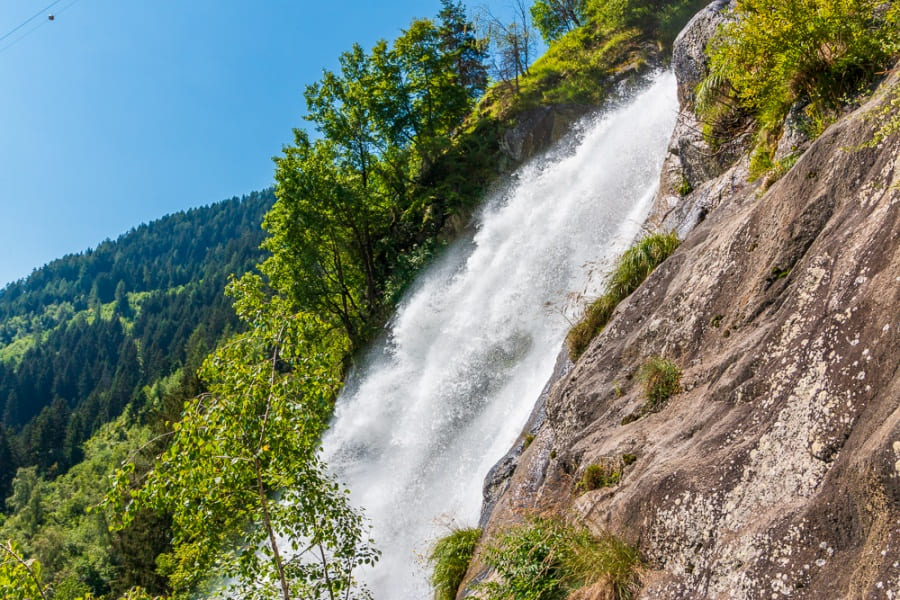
(806,294)
(782,468)
(683,528)
(896,448)
(707,559)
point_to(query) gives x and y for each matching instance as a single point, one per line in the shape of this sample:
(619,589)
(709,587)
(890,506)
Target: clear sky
(117,112)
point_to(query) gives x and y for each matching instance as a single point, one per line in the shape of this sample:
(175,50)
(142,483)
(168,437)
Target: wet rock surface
(776,471)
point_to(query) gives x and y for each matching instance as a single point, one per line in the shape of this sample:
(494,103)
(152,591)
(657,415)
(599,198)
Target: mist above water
(470,348)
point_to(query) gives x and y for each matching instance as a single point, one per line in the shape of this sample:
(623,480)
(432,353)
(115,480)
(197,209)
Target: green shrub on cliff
(887,118)
(547,559)
(630,271)
(820,53)
(600,475)
(450,557)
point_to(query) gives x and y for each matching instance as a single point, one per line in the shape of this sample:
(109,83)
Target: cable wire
(36,26)
(15,41)
(30,19)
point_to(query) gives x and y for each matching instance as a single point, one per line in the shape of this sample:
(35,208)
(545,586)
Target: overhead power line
(41,12)
(36,26)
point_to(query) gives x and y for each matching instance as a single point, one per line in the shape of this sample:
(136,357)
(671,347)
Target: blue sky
(117,112)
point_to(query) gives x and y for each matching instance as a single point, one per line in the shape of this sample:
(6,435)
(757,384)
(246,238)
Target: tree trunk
(273,542)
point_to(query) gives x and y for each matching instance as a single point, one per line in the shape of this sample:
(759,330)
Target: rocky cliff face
(695,178)
(776,471)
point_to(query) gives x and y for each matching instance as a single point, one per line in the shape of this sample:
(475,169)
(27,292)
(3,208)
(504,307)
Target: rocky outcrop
(691,183)
(689,50)
(539,128)
(776,471)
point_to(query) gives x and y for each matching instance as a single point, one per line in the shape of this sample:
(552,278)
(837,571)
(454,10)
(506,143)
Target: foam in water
(469,350)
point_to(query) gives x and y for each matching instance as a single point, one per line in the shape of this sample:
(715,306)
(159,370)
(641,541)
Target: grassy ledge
(630,271)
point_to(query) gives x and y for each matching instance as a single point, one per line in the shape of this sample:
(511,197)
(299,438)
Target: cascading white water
(470,348)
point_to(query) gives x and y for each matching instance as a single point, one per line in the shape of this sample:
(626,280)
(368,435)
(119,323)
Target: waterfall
(449,389)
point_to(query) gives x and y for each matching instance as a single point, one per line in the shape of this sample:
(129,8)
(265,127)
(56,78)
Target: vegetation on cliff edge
(549,559)
(816,55)
(630,271)
(450,560)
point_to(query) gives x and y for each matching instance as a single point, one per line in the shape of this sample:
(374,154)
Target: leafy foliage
(451,556)
(20,578)
(352,203)
(53,522)
(819,53)
(547,559)
(630,271)
(553,18)
(242,474)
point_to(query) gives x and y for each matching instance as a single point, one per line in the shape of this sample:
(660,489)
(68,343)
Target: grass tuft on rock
(451,557)
(630,271)
(600,475)
(661,379)
(548,559)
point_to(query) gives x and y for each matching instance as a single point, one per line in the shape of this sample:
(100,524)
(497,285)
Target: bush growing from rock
(451,556)
(661,379)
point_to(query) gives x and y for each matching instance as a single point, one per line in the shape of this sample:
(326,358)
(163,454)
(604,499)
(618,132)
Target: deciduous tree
(20,578)
(512,43)
(249,496)
(553,18)
(322,237)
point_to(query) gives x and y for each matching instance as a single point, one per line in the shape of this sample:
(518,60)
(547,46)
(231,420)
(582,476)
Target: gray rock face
(689,50)
(682,216)
(539,128)
(776,471)
(690,162)
(794,138)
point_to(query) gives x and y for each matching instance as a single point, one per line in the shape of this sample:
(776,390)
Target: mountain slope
(82,336)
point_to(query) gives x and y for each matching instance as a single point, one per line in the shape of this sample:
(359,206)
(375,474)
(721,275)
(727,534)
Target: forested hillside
(86,335)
